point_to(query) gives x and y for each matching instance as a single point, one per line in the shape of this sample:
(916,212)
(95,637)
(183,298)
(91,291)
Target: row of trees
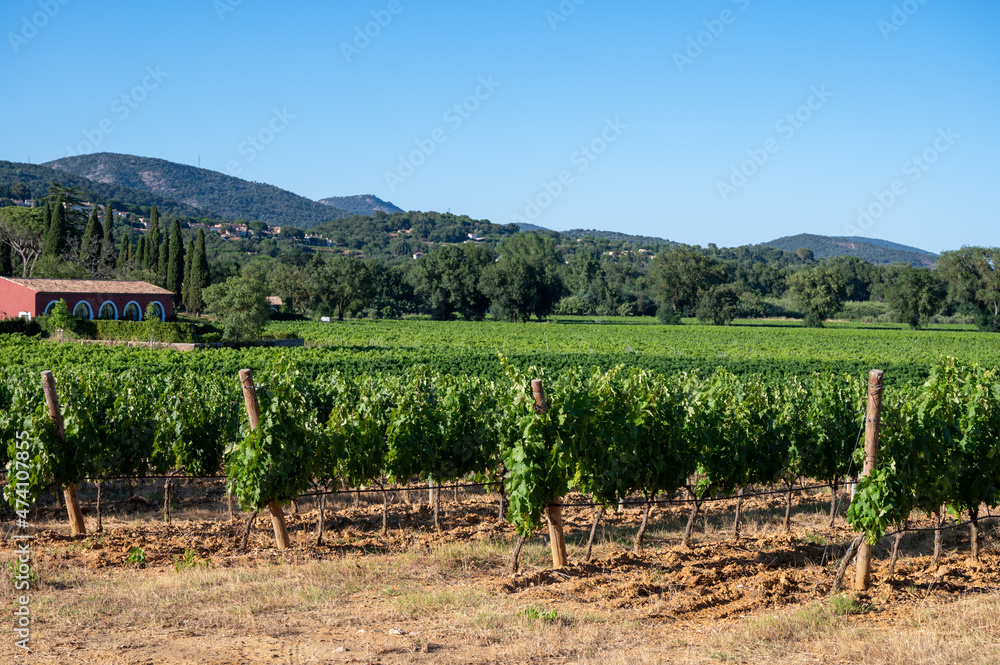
(527,276)
(58,241)
(516,276)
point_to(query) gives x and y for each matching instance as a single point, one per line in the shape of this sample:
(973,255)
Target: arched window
(109,311)
(83,310)
(158,308)
(48,308)
(132,312)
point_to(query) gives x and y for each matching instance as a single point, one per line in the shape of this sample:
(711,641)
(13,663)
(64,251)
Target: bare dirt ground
(417,595)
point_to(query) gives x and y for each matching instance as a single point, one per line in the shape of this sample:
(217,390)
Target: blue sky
(726,121)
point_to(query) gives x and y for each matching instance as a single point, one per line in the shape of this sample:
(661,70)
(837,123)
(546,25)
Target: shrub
(20,327)
(137,331)
(60,318)
(667,316)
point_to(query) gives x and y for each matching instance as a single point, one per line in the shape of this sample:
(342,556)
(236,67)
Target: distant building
(86,299)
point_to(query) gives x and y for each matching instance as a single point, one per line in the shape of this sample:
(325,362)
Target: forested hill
(614,236)
(27,181)
(879,252)
(365,204)
(211,191)
(406,233)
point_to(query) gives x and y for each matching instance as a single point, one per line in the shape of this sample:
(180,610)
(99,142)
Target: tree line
(513,276)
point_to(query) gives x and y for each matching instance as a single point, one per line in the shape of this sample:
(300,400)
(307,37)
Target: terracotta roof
(89,286)
(275,301)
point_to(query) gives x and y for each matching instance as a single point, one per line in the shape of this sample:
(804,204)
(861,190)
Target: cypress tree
(55,241)
(153,240)
(108,240)
(161,263)
(140,253)
(90,245)
(47,217)
(186,285)
(200,277)
(123,253)
(175,262)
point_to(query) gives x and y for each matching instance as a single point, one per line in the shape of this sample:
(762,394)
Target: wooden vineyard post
(553,511)
(253,413)
(873,420)
(76,525)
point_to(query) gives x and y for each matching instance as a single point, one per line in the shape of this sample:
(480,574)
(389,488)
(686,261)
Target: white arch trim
(113,306)
(89,308)
(132,302)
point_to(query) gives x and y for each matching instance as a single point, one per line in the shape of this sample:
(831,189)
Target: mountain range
(215,192)
(365,204)
(879,252)
(132,183)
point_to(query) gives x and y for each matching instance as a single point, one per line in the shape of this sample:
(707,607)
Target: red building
(86,299)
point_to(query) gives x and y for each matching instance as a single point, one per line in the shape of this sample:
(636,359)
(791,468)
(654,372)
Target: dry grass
(440,601)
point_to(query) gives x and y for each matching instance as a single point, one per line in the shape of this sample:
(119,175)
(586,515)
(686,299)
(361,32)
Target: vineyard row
(609,435)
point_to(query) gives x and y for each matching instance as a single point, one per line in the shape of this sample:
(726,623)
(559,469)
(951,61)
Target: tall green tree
(140,252)
(175,261)
(858,276)
(338,284)
(90,245)
(720,304)
(124,254)
(292,285)
(679,277)
(973,275)
(820,291)
(152,255)
(162,261)
(200,278)
(525,279)
(47,217)
(108,252)
(242,305)
(186,282)
(916,295)
(55,240)
(587,283)
(447,281)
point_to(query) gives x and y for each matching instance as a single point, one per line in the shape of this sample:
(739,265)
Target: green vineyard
(608,434)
